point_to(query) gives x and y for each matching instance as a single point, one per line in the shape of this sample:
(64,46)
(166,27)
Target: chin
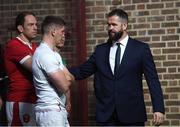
(33,37)
(61,45)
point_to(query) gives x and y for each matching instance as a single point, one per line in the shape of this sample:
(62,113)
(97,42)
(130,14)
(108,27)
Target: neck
(49,41)
(24,38)
(123,36)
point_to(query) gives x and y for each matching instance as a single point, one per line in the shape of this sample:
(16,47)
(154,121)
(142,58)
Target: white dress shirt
(113,49)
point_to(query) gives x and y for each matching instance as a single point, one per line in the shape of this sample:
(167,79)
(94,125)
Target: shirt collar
(24,42)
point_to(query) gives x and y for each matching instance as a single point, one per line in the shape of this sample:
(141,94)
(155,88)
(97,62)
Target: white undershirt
(113,49)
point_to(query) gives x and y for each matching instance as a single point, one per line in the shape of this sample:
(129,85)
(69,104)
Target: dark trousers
(114,121)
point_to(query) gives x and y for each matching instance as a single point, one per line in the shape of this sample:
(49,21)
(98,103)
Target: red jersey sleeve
(16,50)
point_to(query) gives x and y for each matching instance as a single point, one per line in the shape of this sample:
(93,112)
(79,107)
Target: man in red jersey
(18,62)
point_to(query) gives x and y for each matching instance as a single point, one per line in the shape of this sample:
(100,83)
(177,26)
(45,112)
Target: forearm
(68,96)
(68,101)
(58,78)
(68,75)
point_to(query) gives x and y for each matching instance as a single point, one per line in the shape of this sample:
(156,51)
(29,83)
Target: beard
(59,46)
(114,36)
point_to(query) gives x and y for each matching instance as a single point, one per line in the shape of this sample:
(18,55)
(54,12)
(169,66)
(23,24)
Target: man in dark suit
(118,67)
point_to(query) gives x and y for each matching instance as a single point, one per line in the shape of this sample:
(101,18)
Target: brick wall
(155,22)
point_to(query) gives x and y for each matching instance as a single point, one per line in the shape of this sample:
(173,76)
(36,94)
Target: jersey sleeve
(17,52)
(50,64)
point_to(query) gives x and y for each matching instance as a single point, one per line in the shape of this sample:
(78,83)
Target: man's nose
(110,27)
(35,27)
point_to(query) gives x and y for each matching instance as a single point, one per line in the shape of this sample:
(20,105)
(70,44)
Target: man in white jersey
(51,78)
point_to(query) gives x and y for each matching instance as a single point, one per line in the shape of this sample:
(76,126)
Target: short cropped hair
(51,21)
(20,19)
(120,13)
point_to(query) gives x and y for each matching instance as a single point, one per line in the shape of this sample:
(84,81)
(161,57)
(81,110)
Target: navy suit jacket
(123,91)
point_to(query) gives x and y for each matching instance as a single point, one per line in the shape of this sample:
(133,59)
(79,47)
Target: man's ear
(20,28)
(125,26)
(53,32)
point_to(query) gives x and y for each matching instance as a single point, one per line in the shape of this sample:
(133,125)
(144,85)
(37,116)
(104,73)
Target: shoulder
(103,45)
(14,46)
(42,51)
(137,43)
(13,43)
